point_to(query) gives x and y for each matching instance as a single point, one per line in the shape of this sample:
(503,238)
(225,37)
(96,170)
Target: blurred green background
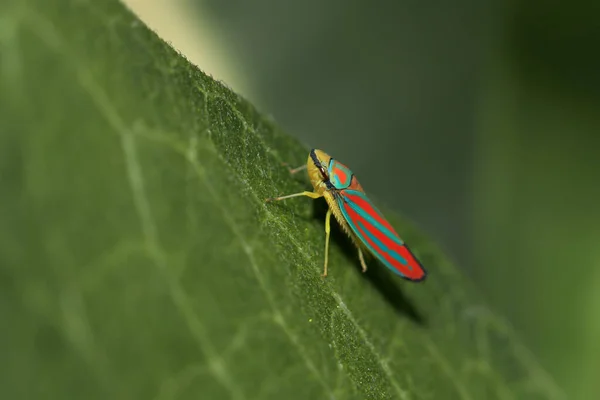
(477,119)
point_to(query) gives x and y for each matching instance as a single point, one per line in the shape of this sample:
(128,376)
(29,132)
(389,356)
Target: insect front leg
(294,170)
(312,195)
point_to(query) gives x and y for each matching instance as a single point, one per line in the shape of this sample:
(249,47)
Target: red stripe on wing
(368,208)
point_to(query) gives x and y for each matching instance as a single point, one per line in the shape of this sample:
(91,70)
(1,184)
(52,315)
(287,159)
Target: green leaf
(139,260)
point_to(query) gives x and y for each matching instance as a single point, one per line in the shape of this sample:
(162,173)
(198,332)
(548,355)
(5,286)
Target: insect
(357,215)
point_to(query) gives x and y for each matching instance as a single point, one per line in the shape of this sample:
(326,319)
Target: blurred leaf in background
(478,119)
(138,259)
(537,172)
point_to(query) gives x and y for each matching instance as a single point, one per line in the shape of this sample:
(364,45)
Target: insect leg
(312,195)
(362,260)
(294,170)
(327,232)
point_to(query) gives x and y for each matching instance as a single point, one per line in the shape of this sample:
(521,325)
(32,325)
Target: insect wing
(369,225)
